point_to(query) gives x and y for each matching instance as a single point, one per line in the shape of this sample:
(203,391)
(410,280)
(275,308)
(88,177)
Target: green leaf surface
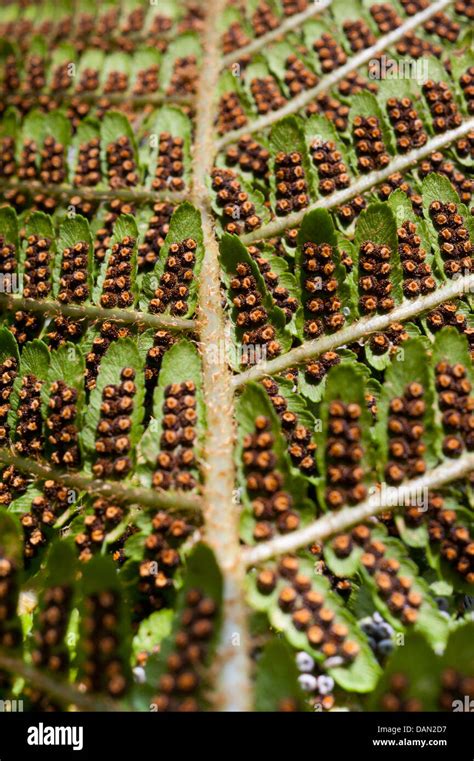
(417,662)
(252,403)
(345,383)
(233,252)
(277,679)
(185,223)
(359,676)
(121,353)
(180,363)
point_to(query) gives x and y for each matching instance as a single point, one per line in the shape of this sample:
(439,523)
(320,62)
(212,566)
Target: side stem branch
(63,692)
(107,489)
(90,312)
(356,331)
(334,523)
(137,195)
(289,25)
(328,82)
(399,164)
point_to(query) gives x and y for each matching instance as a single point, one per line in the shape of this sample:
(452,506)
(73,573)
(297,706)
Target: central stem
(221,514)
